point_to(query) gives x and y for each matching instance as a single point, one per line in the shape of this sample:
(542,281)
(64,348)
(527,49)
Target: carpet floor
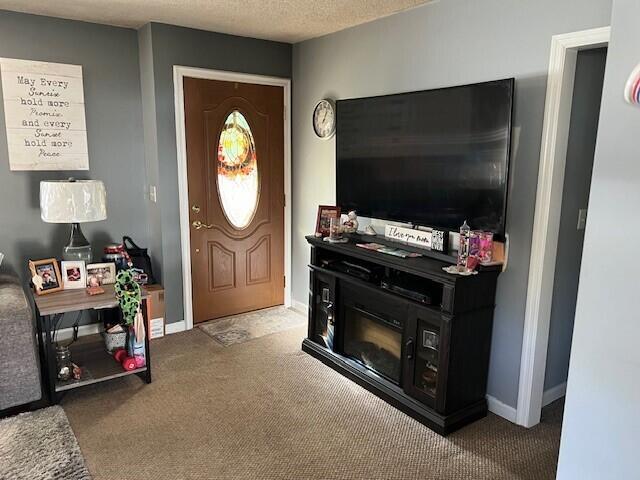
(263,409)
(40,446)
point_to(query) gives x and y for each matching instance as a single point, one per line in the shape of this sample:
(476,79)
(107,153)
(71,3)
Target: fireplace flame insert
(374,341)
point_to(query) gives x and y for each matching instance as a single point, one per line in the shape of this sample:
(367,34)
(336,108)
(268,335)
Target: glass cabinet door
(426,340)
(322,302)
(427,358)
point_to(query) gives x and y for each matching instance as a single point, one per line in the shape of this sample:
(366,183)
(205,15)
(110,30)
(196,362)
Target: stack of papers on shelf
(397,252)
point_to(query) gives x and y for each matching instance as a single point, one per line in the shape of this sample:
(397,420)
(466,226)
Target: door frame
(179,73)
(544,242)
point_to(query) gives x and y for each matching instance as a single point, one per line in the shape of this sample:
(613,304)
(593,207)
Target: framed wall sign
(44,115)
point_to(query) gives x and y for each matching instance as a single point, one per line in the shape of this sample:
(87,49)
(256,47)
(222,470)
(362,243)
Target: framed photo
(101,274)
(323,221)
(74,275)
(45,276)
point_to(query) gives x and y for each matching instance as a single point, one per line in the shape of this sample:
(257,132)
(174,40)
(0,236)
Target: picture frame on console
(101,274)
(74,274)
(323,219)
(45,276)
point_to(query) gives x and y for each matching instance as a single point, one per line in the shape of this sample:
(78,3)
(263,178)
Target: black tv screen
(432,158)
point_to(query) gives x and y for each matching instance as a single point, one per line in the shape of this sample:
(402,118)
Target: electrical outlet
(582,218)
(152,193)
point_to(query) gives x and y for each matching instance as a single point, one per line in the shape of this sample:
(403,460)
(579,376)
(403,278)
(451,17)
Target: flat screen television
(432,158)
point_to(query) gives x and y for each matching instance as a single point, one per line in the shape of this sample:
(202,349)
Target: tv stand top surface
(421,266)
(382,240)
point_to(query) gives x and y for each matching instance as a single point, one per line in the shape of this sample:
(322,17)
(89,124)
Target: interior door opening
(583,127)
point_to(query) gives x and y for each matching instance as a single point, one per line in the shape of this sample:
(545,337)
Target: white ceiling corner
(281,20)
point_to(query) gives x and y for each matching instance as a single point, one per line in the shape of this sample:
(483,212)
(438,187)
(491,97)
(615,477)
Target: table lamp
(75,202)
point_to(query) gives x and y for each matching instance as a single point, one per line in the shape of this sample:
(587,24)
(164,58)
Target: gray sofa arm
(19,365)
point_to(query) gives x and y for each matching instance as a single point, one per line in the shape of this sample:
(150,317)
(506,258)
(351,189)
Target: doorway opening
(574,90)
(583,128)
(234,163)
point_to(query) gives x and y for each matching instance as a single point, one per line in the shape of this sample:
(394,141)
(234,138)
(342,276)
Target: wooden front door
(235,168)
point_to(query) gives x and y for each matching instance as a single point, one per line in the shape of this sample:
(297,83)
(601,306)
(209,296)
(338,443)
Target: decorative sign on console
(435,239)
(44,115)
(409,236)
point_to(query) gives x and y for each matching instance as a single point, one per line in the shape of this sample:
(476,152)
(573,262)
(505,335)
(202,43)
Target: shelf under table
(97,364)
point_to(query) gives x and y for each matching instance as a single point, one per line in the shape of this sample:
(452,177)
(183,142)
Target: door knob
(195,208)
(199,225)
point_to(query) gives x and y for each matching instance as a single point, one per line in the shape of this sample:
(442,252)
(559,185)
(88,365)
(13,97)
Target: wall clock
(324,118)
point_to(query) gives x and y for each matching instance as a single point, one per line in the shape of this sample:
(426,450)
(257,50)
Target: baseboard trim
(92,328)
(554,393)
(83,330)
(175,327)
(299,307)
(501,409)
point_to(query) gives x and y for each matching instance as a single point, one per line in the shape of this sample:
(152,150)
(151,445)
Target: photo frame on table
(101,274)
(323,220)
(74,274)
(45,276)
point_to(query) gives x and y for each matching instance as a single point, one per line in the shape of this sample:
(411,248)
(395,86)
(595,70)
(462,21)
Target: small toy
(128,294)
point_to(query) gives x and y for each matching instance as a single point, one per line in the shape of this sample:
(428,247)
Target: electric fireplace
(428,359)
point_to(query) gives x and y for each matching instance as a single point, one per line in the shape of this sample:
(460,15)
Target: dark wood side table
(89,351)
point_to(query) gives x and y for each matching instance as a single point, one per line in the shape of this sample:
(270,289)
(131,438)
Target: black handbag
(140,260)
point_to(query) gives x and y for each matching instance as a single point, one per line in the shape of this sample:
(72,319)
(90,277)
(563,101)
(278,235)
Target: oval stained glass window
(238,186)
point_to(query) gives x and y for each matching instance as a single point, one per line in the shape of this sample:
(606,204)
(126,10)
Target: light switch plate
(152,193)
(582,218)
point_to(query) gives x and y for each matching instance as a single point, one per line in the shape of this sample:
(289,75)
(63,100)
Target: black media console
(415,336)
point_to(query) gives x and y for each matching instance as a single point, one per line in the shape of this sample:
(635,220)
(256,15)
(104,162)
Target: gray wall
(109,59)
(601,420)
(583,128)
(440,44)
(162,47)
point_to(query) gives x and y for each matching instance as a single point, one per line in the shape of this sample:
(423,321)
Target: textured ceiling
(283,20)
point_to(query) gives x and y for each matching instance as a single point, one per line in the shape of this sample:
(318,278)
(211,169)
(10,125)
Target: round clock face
(324,119)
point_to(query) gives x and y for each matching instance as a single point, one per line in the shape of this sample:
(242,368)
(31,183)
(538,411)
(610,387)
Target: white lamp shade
(79,201)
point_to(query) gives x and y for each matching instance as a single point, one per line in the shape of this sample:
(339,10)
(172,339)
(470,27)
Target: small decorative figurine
(463,248)
(351,223)
(94,287)
(35,278)
(369,230)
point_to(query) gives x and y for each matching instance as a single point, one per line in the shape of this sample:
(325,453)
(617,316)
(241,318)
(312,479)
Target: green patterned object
(129,295)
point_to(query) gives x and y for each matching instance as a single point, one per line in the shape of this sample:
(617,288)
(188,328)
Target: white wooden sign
(409,236)
(44,115)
